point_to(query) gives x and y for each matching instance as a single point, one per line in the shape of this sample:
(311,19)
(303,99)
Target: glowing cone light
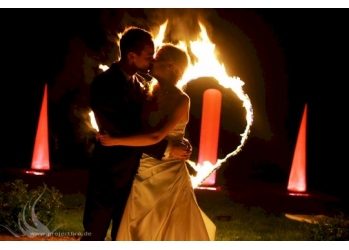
(40,160)
(209,134)
(297,178)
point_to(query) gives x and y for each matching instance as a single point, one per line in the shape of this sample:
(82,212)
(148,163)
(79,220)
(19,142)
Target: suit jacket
(117,106)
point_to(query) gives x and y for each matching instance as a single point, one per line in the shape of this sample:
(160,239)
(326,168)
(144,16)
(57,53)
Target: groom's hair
(134,39)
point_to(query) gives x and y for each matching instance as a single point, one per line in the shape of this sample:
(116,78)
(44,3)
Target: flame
(158,40)
(103,67)
(93,120)
(207,65)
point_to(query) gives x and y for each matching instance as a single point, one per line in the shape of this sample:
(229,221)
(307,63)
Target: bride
(162,204)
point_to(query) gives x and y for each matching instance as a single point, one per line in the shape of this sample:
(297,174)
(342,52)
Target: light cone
(40,160)
(297,178)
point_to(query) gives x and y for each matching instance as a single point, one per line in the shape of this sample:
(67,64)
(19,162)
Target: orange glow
(297,178)
(40,160)
(207,65)
(209,133)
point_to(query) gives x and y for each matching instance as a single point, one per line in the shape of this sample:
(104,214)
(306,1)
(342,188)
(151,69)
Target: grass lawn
(234,221)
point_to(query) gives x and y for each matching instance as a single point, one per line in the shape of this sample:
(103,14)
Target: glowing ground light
(208,66)
(209,132)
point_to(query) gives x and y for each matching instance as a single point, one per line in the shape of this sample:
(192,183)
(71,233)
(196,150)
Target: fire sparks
(207,65)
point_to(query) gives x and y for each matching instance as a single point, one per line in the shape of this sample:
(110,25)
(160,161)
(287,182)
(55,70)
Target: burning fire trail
(208,66)
(93,121)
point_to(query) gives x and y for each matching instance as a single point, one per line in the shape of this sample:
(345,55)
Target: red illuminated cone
(297,178)
(40,160)
(210,124)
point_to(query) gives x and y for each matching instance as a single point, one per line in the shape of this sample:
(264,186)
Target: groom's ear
(131,56)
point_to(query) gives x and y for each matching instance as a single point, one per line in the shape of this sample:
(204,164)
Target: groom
(115,98)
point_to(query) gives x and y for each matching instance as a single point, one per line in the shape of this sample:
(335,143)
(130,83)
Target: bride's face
(161,67)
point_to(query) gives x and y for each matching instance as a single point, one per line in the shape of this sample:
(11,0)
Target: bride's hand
(106,139)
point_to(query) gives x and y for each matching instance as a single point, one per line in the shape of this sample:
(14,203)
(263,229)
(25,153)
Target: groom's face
(143,60)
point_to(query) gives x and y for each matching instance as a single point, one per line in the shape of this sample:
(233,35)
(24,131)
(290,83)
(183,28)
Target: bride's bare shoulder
(183,95)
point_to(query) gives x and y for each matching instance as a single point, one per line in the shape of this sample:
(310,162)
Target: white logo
(27,230)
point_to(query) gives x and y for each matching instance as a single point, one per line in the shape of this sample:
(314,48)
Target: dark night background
(286,57)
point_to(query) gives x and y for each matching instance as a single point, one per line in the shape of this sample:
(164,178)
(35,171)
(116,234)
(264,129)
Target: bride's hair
(178,58)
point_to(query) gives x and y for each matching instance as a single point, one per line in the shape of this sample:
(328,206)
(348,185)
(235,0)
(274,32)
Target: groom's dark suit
(116,104)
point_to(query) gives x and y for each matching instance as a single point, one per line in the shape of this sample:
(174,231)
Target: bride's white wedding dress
(162,205)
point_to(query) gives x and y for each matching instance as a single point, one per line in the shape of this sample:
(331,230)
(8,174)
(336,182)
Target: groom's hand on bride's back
(181,149)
